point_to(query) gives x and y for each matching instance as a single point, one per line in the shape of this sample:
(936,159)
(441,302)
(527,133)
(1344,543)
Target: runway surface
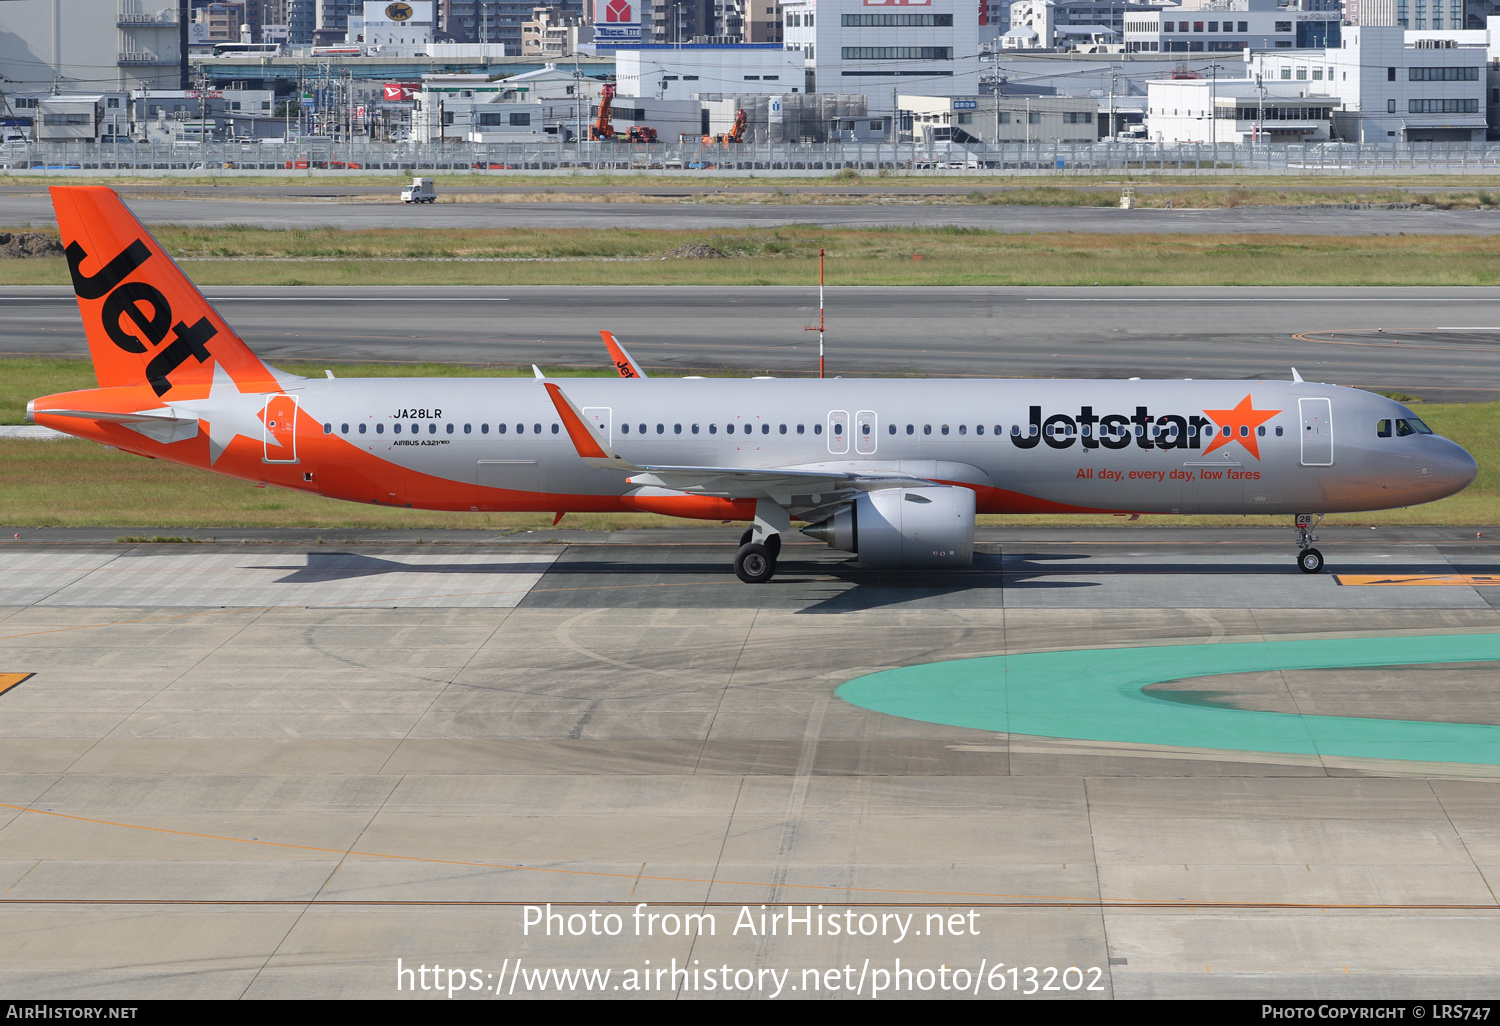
(1437,343)
(36,212)
(265,766)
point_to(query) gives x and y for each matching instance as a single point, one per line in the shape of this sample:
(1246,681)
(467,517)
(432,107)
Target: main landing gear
(1309,559)
(755,562)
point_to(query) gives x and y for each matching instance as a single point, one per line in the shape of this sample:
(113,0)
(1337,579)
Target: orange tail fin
(146,322)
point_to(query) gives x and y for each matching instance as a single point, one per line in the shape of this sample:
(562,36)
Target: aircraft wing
(786,486)
(624,362)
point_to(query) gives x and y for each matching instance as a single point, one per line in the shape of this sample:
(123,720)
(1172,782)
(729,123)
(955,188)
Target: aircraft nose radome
(1468,466)
(1455,467)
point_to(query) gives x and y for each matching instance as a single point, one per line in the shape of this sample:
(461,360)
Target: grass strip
(241,255)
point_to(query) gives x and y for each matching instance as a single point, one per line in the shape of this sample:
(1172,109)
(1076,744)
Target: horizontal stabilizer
(163,417)
(164,425)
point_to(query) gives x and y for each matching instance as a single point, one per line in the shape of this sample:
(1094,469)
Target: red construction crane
(603,127)
(737,133)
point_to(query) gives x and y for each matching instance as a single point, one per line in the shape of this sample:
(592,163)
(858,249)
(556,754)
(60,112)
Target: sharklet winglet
(624,363)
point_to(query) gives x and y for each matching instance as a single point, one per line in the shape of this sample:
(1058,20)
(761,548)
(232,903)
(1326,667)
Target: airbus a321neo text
(893,471)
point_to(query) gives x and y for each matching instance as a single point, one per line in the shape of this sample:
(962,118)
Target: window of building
(1244,26)
(1442,107)
(893,53)
(896,20)
(1182,26)
(1390,74)
(520,119)
(1443,74)
(1213,26)
(1034,118)
(1390,106)
(1283,26)
(1317,74)
(1197,26)
(1301,74)
(1286,72)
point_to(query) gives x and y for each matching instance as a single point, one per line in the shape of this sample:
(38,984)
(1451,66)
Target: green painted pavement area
(1096,695)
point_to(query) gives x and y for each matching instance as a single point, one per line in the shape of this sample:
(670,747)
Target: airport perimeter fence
(312,155)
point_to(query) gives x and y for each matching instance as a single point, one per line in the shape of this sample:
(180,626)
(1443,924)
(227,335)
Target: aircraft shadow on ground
(323,567)
(861,588)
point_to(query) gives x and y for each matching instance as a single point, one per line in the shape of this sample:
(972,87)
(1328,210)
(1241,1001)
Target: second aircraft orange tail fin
(146,322)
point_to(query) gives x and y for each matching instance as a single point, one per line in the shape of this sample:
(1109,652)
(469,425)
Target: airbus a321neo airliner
(892,471)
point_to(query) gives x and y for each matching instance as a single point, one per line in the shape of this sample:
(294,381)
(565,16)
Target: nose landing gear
(1309,559)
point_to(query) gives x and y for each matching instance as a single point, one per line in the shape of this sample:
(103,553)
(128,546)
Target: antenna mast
(819,328)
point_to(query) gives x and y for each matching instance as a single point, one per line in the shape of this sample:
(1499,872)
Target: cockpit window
(1404,428)
(1382,429)
(1418,426)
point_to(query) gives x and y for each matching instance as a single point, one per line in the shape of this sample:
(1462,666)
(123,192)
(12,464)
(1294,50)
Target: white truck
(419,191)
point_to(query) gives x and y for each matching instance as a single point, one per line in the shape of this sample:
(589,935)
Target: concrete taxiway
(266,766)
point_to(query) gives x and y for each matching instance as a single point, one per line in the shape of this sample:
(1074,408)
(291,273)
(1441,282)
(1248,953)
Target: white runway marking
(255,577)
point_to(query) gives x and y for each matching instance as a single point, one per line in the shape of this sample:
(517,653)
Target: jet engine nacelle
(929,528)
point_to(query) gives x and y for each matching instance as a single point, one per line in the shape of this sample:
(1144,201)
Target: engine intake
(930,528)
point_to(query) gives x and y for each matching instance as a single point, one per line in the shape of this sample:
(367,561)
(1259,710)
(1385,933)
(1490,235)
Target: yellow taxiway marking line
(1416,580)
(10,680)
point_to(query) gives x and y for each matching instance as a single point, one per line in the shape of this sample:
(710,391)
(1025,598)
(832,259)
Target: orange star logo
(1241,422)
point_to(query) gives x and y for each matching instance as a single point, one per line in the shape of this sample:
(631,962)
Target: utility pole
(1260,116)
(1213,109)
(1114,73)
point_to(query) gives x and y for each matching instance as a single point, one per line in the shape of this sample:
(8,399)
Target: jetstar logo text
(145,308)
(1144,429)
